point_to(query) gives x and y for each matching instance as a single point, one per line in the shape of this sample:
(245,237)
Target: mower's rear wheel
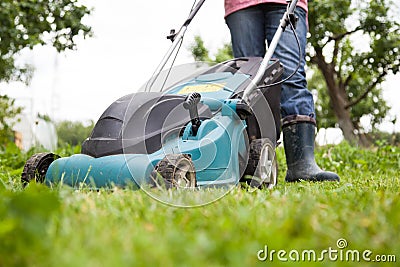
(262,167)
(36,167)
(174,171)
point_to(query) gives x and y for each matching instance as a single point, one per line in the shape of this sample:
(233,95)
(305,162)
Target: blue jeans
(251,27)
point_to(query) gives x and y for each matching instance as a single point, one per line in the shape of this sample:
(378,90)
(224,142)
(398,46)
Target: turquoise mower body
(214,161)
(196,132)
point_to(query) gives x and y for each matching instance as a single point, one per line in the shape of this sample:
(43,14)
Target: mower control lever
(190,103)
(172,35)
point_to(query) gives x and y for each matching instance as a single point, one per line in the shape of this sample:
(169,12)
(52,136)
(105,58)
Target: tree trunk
(339,101)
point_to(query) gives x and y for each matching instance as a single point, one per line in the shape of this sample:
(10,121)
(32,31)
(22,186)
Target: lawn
(302,224)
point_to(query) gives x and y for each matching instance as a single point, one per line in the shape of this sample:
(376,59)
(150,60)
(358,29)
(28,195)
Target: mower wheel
(174,171)
(262,165)
(36,167)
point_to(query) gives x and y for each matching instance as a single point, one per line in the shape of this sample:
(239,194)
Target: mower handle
(194,12)
(176,38)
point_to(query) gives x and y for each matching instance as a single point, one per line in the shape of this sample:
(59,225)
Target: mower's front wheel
(36,167)
(262,167)
(174,171)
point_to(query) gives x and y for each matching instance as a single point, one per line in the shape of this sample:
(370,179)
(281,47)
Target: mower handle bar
(194,12)
(176,38)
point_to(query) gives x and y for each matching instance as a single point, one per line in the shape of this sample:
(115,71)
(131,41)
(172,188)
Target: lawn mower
(215,127)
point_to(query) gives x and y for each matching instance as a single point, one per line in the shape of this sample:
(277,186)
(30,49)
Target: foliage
(25,217)
(201,53)
(355,45)
(72,132)
(25,24)
(8,114)
(65,227)
(384,138)
(224,53)
(11,157)
(44,117)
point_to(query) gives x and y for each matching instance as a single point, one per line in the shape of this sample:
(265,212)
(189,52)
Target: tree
(324,113)
(353,74)
(201,53)
(72,133)
(25,24)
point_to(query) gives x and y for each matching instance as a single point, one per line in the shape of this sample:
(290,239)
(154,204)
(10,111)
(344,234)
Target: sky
(128,44)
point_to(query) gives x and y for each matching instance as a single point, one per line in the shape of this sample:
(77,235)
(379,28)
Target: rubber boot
(298,138)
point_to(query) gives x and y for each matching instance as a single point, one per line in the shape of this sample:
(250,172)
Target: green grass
(65,227)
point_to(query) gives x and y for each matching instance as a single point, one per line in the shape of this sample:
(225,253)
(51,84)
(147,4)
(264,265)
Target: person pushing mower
(252,23)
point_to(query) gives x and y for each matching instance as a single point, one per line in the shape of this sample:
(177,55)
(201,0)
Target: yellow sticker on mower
(202,88)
